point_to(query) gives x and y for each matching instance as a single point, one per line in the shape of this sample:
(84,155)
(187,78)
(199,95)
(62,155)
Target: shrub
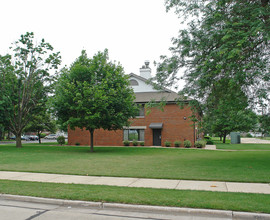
(210,142)
(126,143)
(177,143)
(61,140)
(207,137)
(77,144)
(135,143)
(187,144)
(142,143)
(167,143)
(200,144)
(249,135)
(42,135)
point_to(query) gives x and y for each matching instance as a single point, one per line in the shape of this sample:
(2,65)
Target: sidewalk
(262,188)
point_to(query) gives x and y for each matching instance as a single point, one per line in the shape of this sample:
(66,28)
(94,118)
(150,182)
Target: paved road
(18,210)
(25,142)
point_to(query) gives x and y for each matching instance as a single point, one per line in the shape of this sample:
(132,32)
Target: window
(141,110)
(133,82)
(134,134)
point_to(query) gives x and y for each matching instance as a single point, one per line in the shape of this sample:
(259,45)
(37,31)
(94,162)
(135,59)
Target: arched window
(133,82)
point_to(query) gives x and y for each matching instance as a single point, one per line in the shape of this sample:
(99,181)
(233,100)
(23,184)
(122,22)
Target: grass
(265,138)
(167,163)
(244,146)
(228,146)
(143,196)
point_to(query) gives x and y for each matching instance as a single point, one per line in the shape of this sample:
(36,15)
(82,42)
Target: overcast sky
(132,30)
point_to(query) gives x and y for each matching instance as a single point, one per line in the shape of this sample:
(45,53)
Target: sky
(132,30)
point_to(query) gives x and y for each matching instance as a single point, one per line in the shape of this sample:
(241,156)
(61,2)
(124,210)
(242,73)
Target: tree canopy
(224,39)
(26,77)
(94,93)
(224,46)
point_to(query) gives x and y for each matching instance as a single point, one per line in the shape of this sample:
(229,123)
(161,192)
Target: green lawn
(243,146)
(145,196)
(265,138)
(194,164)
(228,146)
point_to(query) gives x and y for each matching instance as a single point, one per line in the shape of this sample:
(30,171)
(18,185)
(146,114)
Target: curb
(142,208)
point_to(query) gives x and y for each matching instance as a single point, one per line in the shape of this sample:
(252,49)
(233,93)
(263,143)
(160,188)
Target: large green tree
(94,93)
(26,77)
(227,110)
(223,39)
(6,75)
(224,46)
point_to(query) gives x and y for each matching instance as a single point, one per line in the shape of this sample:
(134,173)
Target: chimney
(145,71)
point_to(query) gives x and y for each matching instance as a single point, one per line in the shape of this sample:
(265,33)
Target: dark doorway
(157,137)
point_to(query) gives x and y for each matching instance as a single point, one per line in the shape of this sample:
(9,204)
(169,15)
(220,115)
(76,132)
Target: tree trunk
(39,139)
(92,140)
(18,141)
(220,138)
(224,137)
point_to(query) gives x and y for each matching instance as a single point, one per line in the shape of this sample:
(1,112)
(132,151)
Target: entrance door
(157,137)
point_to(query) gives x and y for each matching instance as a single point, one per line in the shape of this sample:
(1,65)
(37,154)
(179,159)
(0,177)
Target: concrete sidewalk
(262,188)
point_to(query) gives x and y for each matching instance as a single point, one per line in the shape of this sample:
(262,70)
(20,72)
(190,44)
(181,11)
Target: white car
(51,136)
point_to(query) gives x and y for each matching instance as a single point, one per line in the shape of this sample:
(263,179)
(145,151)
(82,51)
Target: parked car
(51,136)
(33,137)
(25,138)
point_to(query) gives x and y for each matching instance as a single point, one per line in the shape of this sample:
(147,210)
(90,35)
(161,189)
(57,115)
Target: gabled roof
(158,95)
(147,82)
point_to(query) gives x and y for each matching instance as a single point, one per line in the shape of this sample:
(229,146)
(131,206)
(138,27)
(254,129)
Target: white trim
(135,127)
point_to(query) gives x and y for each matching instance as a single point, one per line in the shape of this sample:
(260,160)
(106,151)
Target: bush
(207,137)
(249,135)
(77,144)
(167,143)
(210,142)
(177,143)
(126,143)
(61,140)
(200,144)
(135,143)
(187,144)
(142,143)
(42,135)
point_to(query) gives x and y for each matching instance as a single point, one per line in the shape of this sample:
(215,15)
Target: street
(19,210)
(43,140)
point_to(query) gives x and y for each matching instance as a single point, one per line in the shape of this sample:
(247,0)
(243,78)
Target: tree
(26,81)
(224,39)
(6,75)
(264,126)
(225,46)
(93,94)
(40,122)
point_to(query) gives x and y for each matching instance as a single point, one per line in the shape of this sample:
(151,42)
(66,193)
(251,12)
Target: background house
(170,124)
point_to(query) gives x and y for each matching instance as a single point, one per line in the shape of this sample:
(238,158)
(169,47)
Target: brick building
(154,128)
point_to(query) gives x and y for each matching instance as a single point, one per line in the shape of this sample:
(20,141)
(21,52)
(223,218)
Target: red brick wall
(174,128)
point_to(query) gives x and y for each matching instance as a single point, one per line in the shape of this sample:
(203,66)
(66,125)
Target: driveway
(254,141)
